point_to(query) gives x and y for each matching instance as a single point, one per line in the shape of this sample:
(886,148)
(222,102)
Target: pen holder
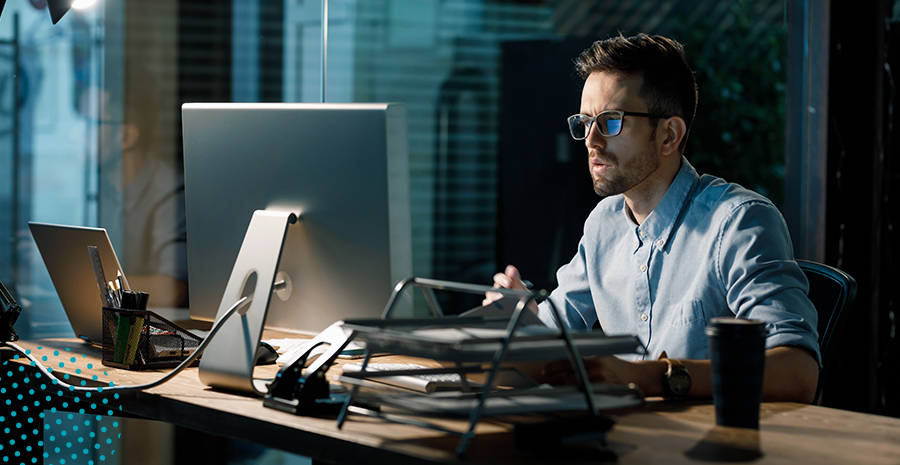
(141,340)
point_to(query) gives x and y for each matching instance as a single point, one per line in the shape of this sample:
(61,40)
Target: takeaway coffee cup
(737,352)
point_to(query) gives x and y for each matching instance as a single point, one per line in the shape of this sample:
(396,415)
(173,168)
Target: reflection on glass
(459,66)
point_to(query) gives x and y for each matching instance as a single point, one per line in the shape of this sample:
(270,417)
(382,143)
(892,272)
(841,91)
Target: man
(146,187)
(666,250)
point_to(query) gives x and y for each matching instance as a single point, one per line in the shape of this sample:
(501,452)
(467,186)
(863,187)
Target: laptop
(64,250)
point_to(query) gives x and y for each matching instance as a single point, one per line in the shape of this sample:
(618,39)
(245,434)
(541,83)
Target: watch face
(679,382)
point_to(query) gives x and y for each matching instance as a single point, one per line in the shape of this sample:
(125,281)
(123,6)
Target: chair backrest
(832,292)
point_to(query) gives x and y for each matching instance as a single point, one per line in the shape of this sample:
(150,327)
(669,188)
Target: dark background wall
(861,205)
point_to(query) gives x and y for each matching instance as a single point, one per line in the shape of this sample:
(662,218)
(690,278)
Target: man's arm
(791,374)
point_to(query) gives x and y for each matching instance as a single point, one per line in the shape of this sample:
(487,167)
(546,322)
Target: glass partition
(488,84)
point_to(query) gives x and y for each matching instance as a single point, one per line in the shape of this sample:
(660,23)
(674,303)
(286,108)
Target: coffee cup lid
(741,327)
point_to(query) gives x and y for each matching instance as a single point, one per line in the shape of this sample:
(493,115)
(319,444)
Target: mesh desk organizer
(142,340)
(468,345)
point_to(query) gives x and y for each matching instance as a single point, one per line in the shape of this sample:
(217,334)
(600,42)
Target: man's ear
(675,130)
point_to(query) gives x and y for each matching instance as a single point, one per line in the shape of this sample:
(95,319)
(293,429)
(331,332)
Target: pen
(130,302)
(142,299)
(114,295)
(121,280)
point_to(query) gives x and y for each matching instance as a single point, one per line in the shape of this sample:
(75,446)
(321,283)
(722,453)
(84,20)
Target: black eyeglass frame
(593,119)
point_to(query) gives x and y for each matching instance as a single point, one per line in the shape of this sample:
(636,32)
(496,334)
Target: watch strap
(676,381)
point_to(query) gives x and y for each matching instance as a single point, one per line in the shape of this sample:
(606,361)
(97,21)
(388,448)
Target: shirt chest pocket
(687,313)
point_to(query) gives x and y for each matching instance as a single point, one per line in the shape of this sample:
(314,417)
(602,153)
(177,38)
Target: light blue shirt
(708,249)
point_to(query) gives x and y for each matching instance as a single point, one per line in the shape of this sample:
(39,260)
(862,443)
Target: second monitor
(342,168)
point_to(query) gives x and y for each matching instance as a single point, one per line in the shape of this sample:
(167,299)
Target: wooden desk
(658,432)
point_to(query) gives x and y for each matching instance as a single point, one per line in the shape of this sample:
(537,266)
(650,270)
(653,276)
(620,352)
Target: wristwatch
(676,381)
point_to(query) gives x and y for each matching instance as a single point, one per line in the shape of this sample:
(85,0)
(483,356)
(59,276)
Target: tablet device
(504,308)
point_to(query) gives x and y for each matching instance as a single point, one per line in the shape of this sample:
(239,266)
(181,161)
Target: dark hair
(668,85)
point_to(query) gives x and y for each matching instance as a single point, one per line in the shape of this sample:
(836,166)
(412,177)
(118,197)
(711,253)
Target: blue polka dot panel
(42,422)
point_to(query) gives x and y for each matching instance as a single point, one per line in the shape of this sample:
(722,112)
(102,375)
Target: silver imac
(343,169)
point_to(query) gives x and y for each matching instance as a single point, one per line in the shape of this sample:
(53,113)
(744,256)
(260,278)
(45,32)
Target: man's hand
(509,279)
(610,370)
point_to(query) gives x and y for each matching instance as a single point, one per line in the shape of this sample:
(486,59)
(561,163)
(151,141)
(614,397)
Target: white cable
(137,387)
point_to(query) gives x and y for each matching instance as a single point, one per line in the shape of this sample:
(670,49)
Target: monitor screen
(342,168)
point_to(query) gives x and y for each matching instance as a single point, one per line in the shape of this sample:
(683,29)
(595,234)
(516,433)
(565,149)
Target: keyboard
(422,383)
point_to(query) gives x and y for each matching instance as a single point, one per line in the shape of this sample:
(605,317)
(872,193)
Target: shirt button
(643,268)
(637,244)
(643,234)
(644,317)
(659,242)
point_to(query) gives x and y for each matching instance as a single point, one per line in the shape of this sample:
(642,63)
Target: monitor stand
(229,359)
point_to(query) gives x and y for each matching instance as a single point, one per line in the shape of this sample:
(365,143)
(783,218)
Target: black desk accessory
(11,310)
(135,338)
(266,354)
(307,392)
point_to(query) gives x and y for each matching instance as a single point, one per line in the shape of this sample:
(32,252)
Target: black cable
(138,387)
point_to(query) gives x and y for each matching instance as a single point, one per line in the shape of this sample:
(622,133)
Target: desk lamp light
(58,8)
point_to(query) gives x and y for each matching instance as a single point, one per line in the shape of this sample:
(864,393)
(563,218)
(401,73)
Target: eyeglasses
(609,122)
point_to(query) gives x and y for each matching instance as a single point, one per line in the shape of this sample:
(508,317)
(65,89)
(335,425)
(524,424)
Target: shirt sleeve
(573,296)
(756,267)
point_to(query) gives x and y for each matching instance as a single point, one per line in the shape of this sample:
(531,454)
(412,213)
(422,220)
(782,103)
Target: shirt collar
(659,224)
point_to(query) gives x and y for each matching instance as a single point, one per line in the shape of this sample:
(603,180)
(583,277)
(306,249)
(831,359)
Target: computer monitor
(342,168)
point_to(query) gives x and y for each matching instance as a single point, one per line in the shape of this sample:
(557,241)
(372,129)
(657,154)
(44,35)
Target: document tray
(475,345)
(466,345)
(503,403)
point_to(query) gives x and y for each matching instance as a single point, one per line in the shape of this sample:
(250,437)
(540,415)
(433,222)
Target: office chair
(832,292)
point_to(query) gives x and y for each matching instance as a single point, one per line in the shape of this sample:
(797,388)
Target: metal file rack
(468,345)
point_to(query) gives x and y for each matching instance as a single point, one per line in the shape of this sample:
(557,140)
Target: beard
(623,177)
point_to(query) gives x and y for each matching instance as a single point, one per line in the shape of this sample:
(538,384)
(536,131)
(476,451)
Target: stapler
(307,392)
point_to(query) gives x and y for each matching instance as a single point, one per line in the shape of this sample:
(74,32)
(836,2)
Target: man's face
(618,164)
